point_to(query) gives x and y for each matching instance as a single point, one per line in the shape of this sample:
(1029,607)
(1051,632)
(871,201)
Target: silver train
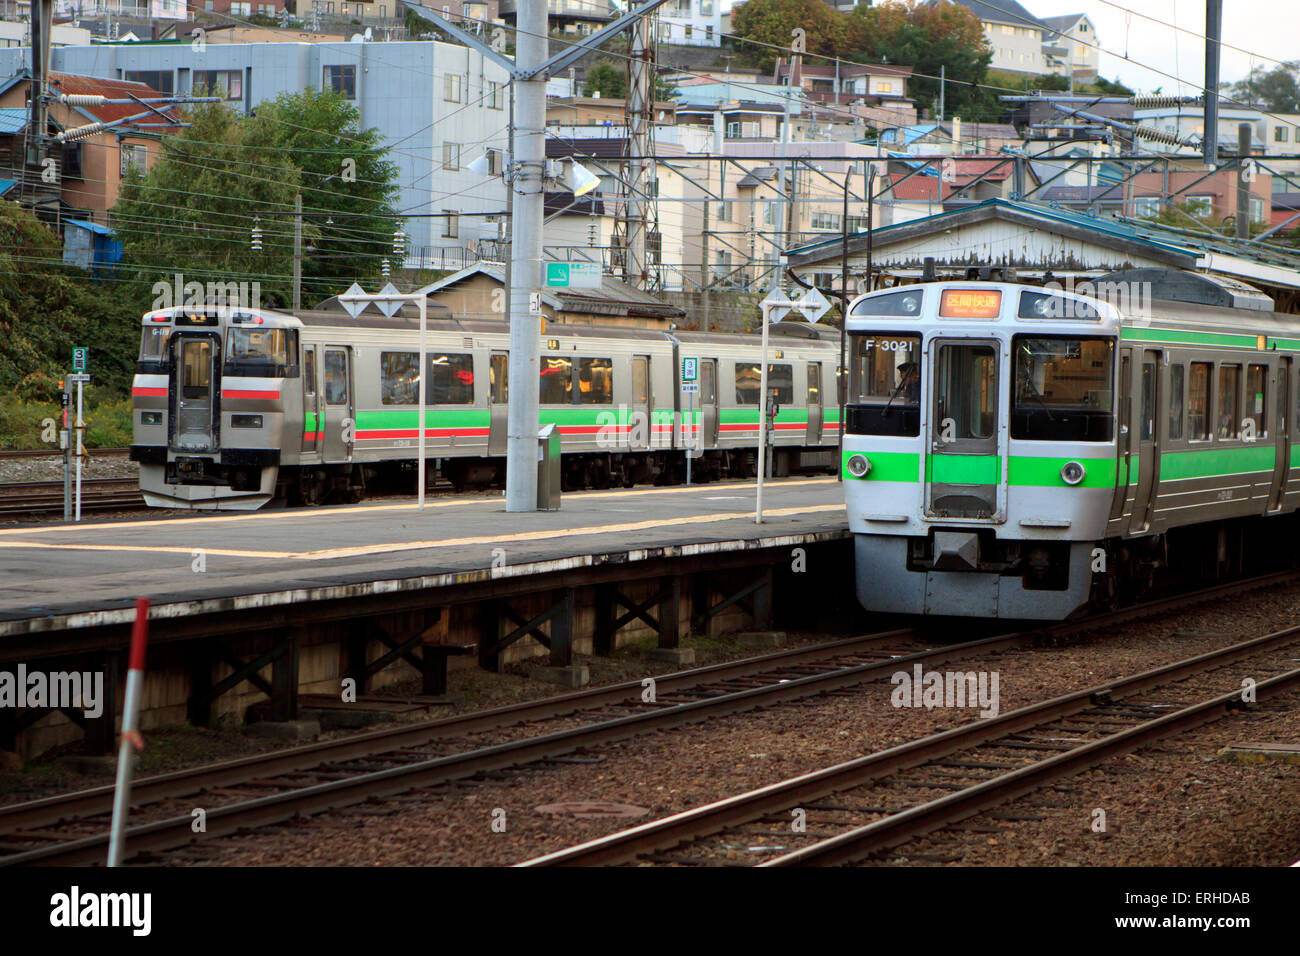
(1017,451)
(234,408)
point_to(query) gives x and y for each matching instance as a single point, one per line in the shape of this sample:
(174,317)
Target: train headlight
(859,466)
(1072,473)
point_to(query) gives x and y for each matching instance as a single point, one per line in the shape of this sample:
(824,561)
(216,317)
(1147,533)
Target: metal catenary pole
(529,150)
(81,451)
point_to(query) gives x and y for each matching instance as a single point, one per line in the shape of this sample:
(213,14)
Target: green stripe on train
(1132,334)
(434,417)
(1032,471)
(963,469)
(886,465)
(749,416)
(1210,462)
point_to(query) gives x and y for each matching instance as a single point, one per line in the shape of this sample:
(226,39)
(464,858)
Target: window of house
(133,155)
(228,84)
(706,8)
(451,155)
(239,9)
(1279,134)
(451,87)
(495,96)
(1146,206)
(164,81)
(708,33)
(724,211)
(1200,205)
(450,224)
(341,80)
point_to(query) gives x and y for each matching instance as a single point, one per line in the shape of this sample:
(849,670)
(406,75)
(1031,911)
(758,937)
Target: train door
(498,402)
(815,414)
(1282,426)
(642,403)
(708,403)
(311,412)
(1148,443)
(1123,440)
(964,470)
(195,358)
(340,415)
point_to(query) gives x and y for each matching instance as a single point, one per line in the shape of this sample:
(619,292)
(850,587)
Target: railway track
(270,788)
(97,494)
(859,808)
(56,453)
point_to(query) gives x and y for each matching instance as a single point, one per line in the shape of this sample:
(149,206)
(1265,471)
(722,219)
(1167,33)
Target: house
(914,190)
(1070,46)
(90,246)
(1041,242)
(85,177)
(471,293)
(437,106)
(691,23)
(580,17)
(1014,34)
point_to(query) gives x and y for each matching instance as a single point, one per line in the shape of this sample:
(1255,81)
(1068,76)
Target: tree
(927,38)
(827,32)
(1276,90)
(46,308)
(349,188)
(225,176)
(195,210)
(606,79)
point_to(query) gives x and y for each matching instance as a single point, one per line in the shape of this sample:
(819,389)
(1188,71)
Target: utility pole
(1243,183)
(943,89)
(640,145)
(529,72)
(297,252)
(528,146)
(1213,31)
(38,122)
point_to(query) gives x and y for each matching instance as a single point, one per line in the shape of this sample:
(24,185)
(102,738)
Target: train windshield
(1064,388)
(884,384)
(153,346)
(261,351)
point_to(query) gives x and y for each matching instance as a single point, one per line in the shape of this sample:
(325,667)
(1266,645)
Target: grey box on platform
(548,468)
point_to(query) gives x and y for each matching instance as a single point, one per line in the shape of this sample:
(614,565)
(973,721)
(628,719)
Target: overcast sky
(1261,30)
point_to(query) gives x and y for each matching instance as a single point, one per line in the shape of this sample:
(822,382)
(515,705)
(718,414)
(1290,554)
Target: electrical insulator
(1160,102)
(257,235)
(591,233)
(399,242)
(1160,136)
(82,99)
(383,268)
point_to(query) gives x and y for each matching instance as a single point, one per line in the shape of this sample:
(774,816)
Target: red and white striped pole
(131,739)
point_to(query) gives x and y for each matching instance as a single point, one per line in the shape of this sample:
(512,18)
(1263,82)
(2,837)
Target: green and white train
(234,408)
(1020,451)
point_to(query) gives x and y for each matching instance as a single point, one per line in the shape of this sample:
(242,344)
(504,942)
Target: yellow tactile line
(392,547)
(350,510)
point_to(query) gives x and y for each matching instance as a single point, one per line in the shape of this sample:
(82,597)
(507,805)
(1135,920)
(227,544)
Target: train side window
(556,380)
(1257,398)
(595,382)
(1198,402)
(336,377)
(1229,421)
(309,372)
(814,384)
(499,377)
(1175,402)
(780,382)
(451,379)
(1148,422)
(747,383)
(708,382)
(398,374)
(640,380)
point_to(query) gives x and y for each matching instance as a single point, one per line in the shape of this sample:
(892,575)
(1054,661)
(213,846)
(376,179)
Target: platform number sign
(690,369)
(79,354)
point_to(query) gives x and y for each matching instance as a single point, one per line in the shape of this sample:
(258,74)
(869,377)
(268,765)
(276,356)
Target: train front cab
(979,456)
(207,407)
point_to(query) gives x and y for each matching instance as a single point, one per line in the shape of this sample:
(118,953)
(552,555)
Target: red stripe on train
(150,392)
(250,393)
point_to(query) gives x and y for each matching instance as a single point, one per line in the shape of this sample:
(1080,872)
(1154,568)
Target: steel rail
(777,797)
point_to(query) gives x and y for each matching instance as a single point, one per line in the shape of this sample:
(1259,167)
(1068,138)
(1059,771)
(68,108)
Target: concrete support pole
(1243,185)
(1213,33)
(529,153)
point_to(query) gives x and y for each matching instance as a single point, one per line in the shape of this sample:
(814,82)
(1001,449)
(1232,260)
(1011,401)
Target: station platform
(54,574)
(250,611)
